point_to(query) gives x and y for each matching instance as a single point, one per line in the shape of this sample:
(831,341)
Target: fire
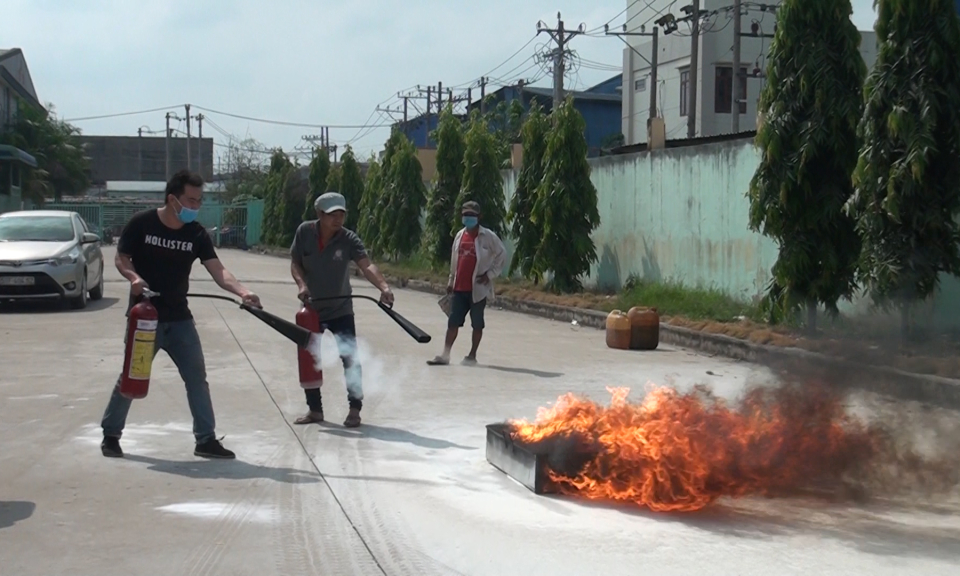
(682,452)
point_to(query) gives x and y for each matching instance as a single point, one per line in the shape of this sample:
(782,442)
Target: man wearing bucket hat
(478,256)
(321,253)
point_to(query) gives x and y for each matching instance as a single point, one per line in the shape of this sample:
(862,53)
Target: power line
(282,122)
(119,114)
(222,113)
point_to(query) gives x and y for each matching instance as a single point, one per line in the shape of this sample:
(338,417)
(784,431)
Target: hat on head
(470,206)
(330,202)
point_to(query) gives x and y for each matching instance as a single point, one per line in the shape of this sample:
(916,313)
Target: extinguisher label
(146,324)
(141,358)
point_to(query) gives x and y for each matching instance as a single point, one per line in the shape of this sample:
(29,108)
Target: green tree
(319,173)
(374,235)
(506,121)
(367,225)
(333,179)
(404,199)
(525,231)
(296,192)
(441,211)
(566,203)
(812,101)
(275,202)
(63,168)
(243,167)
(351,186)
(907,180)
(482,181)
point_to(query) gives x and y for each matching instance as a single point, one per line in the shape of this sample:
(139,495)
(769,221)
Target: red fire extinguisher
(310,376)
(140,350)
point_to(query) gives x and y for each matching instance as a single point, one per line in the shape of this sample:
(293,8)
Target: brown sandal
(310,418)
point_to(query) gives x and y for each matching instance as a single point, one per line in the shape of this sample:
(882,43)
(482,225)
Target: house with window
(716,97)
(16,91)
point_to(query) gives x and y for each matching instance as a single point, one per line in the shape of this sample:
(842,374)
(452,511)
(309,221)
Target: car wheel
(97,292)
(80,302)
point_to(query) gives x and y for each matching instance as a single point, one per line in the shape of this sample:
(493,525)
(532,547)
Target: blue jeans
(344,330)
(182,343)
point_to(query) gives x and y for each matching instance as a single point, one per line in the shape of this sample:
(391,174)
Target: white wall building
(715,80)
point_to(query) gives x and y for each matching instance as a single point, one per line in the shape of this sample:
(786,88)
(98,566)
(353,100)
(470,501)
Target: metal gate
(230,225)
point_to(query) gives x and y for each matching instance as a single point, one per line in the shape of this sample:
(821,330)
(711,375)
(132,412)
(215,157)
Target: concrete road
(409,493)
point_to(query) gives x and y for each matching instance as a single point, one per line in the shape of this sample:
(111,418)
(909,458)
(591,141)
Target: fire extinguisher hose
(301,335)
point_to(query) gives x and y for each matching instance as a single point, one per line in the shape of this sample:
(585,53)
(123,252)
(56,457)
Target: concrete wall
(135,158)
(681,214)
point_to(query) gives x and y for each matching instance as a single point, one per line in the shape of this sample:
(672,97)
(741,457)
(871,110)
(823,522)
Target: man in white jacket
(477,258)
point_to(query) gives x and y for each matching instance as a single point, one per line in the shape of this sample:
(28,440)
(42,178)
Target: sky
(310,62)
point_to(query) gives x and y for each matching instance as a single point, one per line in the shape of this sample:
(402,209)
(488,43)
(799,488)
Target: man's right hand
(138,286)
(449,288)
(304,295)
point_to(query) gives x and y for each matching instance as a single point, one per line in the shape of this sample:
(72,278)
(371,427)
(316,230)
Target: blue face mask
(470,221)
(187,215)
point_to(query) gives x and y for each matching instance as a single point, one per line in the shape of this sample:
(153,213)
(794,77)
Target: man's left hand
(483,279)
(386,296)
(251,299)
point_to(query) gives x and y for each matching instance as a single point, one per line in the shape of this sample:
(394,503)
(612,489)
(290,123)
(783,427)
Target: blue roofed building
(600,106)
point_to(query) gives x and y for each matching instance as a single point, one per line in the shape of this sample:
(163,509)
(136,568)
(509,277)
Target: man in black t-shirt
(156,251)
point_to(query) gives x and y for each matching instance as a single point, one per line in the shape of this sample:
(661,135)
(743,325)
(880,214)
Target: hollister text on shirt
(164,257)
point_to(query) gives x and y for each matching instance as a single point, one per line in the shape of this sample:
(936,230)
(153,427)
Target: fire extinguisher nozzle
(297,334)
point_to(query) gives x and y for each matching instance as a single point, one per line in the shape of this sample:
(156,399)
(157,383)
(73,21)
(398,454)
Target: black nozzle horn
(298,334)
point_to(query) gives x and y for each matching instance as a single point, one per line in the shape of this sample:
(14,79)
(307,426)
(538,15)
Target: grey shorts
(462,303)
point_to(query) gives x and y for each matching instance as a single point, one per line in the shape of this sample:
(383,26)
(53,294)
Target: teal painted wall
(682,214)
(10,202)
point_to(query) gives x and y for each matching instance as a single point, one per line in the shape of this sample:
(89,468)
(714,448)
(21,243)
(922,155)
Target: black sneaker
(212,448)
(111,447)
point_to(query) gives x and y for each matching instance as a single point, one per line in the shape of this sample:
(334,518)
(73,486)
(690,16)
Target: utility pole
(168,132)
(653,61)
(187,106)
(694,69)
(560,53)
(738,36)
(200,144)
(483,95)
(669,23)
(735,113)
(407,98)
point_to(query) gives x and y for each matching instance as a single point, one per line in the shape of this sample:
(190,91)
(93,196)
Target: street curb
(881,379)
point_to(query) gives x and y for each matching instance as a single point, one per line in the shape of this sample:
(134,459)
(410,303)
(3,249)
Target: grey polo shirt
(326,271)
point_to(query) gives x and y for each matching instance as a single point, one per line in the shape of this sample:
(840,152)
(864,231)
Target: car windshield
(36,229)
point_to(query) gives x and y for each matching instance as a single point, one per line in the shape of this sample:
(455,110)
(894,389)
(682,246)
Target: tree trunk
(811,318)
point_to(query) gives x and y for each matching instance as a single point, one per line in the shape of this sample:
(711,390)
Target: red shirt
(466,262)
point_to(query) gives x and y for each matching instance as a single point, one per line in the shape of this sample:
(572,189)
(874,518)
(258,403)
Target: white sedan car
(49,255)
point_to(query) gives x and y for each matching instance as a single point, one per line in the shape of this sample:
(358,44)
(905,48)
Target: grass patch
(669,298)
(675,299)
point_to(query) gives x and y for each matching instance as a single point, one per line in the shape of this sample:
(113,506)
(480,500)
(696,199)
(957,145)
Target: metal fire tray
(517,461)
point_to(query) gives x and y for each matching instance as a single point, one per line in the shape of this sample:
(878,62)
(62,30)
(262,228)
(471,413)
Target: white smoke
(380,371)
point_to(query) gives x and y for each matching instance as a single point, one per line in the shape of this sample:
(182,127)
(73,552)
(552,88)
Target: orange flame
(681,452)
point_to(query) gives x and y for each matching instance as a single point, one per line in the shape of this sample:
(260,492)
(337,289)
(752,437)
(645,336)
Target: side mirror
(89,238)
